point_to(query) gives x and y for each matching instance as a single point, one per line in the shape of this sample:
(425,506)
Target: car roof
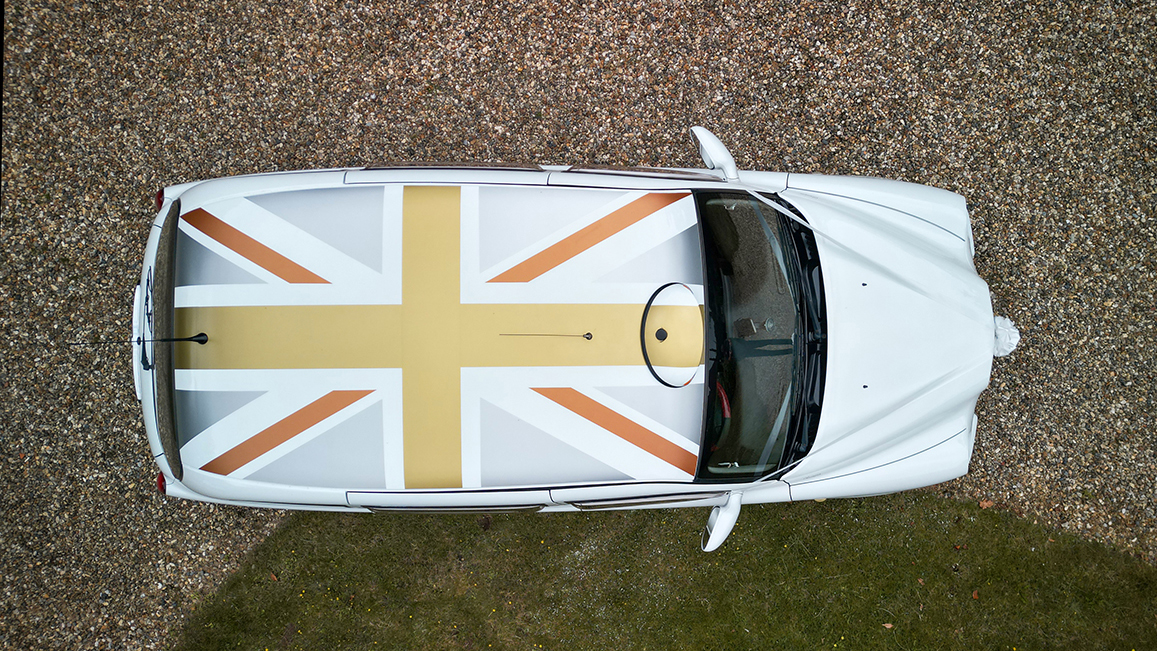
(417,328)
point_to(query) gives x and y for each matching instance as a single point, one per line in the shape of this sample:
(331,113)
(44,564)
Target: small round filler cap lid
(672,334)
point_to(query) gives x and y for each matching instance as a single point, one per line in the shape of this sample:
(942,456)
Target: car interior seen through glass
(754,335)
(160,318)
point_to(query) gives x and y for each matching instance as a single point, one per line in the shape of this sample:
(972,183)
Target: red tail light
(161,482)
(160,199)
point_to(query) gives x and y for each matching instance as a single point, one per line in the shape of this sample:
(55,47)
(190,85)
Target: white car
(547,338)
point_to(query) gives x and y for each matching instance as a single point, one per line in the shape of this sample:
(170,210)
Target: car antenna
(199,338)
(588,336)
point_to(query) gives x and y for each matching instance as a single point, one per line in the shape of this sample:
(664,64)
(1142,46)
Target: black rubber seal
(643,336)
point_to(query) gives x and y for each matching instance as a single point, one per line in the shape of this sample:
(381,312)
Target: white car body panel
(897,290)
(426,176)
(942,461)
(764,181)
(941,208)
(649,180)
(767,491)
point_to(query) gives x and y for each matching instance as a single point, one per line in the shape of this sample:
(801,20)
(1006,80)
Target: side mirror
(720,523)
(714,153)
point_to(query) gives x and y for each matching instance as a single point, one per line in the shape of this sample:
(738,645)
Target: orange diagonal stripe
(250,248)
(283,430)
(621,426)
(569,247)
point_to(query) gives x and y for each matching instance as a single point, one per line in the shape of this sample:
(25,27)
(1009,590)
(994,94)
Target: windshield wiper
(813,347)
(810,291)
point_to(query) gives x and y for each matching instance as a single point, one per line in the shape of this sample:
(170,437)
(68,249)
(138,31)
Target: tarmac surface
(1043,117)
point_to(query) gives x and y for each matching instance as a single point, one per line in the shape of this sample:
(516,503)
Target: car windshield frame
(794,253)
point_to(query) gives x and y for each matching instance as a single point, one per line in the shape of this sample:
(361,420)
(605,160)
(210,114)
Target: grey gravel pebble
(1042,116)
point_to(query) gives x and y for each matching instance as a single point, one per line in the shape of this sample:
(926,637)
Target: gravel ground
(1043,117)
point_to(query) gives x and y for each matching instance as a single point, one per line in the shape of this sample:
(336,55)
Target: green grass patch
(908,571)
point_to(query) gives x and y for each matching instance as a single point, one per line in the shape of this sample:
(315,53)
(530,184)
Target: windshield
(755,337)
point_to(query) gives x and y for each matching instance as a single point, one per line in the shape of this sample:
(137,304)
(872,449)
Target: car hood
(910,337)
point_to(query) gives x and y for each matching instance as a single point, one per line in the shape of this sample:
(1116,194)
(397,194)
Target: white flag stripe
(613,204)
(576,280)
(631,242)
(305,436)
(641,418)
(288,391)
(229,254)
(511,389)
(293,243)
(243,424)
(588,438)
(286,294)
(471,390)
(344,379)
(390,283)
